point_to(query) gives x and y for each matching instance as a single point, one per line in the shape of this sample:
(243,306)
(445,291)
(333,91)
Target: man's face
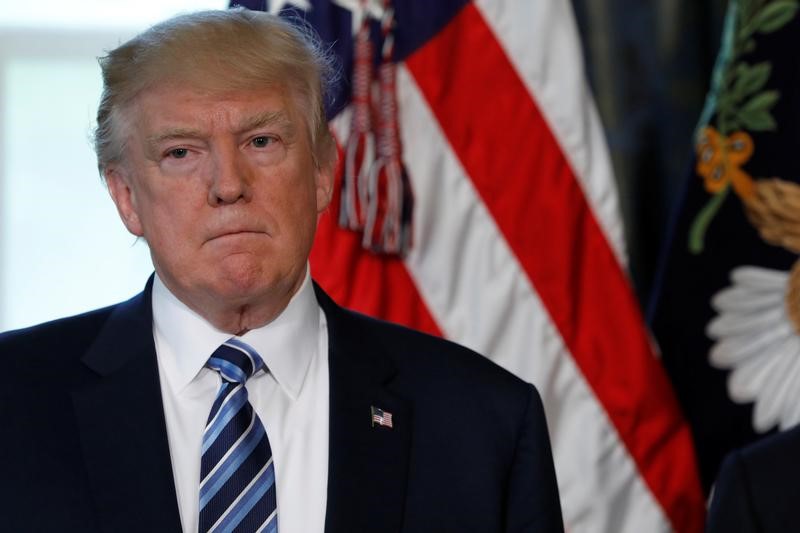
(224,189)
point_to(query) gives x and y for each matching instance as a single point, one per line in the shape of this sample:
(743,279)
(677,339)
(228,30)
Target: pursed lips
(232,232)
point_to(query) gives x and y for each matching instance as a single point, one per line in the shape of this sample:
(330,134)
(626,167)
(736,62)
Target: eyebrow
(268,118)
(154,141)
(260,120)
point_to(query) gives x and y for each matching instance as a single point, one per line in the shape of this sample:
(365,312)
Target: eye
(178,153)
(262,141)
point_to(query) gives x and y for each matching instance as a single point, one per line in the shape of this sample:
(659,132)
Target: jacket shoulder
(411,347)
(52,347)
(427,362)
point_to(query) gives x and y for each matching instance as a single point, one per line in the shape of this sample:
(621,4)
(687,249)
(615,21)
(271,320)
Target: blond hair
(218,51)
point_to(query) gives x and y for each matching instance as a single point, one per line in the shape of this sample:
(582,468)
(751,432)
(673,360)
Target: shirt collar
(287,344)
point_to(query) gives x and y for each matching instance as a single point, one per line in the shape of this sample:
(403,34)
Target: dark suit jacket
(84,445)
(758,488)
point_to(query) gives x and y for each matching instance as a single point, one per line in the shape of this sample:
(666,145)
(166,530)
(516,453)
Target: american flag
(381,417)
(516,246)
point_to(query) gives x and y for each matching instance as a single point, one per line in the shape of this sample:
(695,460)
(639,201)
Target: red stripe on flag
(375,285)
(520,172)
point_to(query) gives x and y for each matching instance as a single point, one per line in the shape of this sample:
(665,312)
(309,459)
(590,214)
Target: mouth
(235,233)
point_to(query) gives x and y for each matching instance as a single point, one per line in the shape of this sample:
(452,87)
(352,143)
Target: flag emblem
(381,417)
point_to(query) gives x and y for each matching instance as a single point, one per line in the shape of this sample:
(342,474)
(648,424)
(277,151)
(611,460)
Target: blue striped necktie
(237,477)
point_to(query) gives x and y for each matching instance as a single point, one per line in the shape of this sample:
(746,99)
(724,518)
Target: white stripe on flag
(541,41)
(474,286)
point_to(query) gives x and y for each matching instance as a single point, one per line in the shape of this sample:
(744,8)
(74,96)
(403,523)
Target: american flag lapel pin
(381,417)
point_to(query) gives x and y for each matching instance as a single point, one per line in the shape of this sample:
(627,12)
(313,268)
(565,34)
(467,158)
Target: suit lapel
(122,427)
(124,438)
(367,465)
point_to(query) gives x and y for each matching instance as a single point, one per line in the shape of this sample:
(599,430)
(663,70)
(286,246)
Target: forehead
(171,105)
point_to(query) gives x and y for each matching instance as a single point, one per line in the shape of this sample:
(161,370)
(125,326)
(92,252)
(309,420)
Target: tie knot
(235,361)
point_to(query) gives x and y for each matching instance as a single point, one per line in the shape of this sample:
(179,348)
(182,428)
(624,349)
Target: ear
(124,196)
(324,183)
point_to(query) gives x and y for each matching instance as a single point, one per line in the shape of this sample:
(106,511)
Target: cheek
(298,217)
(292,190)
(306,204)
(169,220)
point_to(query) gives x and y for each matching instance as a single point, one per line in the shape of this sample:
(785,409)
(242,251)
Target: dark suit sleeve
(732,509)
(533,503)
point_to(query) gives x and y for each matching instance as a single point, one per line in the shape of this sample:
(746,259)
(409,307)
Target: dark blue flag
(726,314)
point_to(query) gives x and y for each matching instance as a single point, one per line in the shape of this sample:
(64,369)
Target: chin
(241,286)
(250,285)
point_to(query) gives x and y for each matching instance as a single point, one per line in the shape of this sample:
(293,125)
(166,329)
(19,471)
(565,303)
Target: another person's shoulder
(757,488)
(770,459)
(783,444)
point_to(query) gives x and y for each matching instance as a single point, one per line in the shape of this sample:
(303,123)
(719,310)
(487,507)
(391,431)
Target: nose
(230,180)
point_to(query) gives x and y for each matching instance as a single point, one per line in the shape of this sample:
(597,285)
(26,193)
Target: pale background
(62,247)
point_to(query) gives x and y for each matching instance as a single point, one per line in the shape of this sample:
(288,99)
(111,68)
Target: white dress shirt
(291,399)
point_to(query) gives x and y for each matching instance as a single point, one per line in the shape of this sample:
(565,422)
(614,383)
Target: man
(233,394)
(757,490)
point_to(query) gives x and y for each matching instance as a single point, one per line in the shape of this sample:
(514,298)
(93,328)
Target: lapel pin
(381,417)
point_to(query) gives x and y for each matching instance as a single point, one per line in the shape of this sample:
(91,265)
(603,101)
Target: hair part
(218,51)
